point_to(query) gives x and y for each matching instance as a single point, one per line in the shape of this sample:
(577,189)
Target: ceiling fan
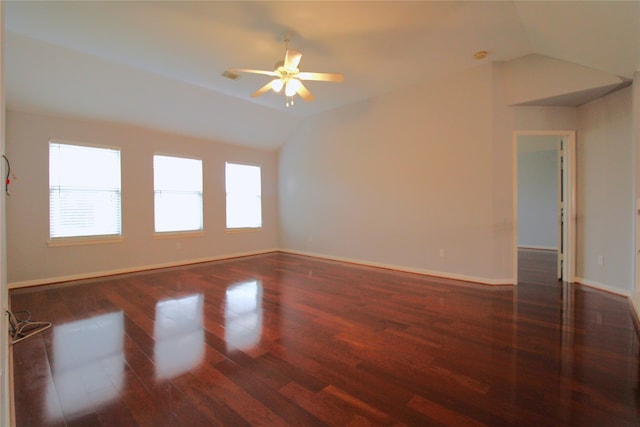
(288,76)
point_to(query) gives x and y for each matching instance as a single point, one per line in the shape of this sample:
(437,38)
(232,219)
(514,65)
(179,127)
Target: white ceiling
(159,64)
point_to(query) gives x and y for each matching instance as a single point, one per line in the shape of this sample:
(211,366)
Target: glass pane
(178,193)
(243,179)
(244,201)
(177,173)
(176,211)
(88,167)
(243,211)
(84,197)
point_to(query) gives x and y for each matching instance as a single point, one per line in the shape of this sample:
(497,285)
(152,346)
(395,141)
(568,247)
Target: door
(565,224)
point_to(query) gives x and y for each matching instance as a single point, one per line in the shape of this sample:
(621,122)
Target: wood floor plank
(280,339)
(235,397)
(291,413)
(442,415)
(310,401)
(357,405)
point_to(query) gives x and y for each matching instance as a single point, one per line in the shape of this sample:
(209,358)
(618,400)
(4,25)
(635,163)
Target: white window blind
(244,196)
(84,191)
(178,194)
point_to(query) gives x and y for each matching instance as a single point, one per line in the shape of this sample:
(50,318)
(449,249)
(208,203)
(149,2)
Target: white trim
(90,240)
(243,230)
(177,234)
(462,277)
(603,287)
(83,276)
(570,207)
(541,248)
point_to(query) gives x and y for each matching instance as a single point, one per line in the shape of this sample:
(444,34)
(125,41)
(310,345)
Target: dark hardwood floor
(278,340)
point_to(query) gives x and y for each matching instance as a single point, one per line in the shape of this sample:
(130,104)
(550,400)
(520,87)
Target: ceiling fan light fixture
(292,87)
(277,84)
(287,75)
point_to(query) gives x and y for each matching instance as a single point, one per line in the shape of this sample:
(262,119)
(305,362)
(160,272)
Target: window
(244,196)
(84,191)
(178,194)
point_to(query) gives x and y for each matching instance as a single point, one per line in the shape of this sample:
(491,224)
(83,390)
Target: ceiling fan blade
(304,93)
(291,59)
(249,70)
(263,89)
(321,77)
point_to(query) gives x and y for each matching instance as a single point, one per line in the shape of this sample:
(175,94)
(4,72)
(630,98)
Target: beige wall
(395,179)
(30,260)
(535,77)
(605,197)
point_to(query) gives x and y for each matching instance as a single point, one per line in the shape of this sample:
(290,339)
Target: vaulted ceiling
(159,64)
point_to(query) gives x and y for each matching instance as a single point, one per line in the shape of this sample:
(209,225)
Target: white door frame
(569,184)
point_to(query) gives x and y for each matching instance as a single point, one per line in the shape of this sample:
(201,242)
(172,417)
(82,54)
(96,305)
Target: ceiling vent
(228,74)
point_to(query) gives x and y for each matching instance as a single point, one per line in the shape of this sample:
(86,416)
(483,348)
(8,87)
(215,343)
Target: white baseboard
(83,276)
(542,248)
(465,278)
(603,287)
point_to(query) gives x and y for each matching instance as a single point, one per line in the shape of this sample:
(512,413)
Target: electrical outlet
(441,252)
(600,260)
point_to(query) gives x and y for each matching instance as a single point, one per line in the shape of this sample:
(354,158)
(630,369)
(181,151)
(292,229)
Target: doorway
(544,197)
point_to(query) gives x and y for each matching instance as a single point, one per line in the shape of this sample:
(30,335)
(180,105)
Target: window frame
(90,239)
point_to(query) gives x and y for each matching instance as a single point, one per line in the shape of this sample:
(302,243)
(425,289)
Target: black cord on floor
(21,329)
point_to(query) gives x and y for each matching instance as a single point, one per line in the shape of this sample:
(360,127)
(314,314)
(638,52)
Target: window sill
(243,230)
(76,241)
(177,234)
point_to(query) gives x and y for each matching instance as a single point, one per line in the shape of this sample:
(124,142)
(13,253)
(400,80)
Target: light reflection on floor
(88,364)
(179,335)
(243,315)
